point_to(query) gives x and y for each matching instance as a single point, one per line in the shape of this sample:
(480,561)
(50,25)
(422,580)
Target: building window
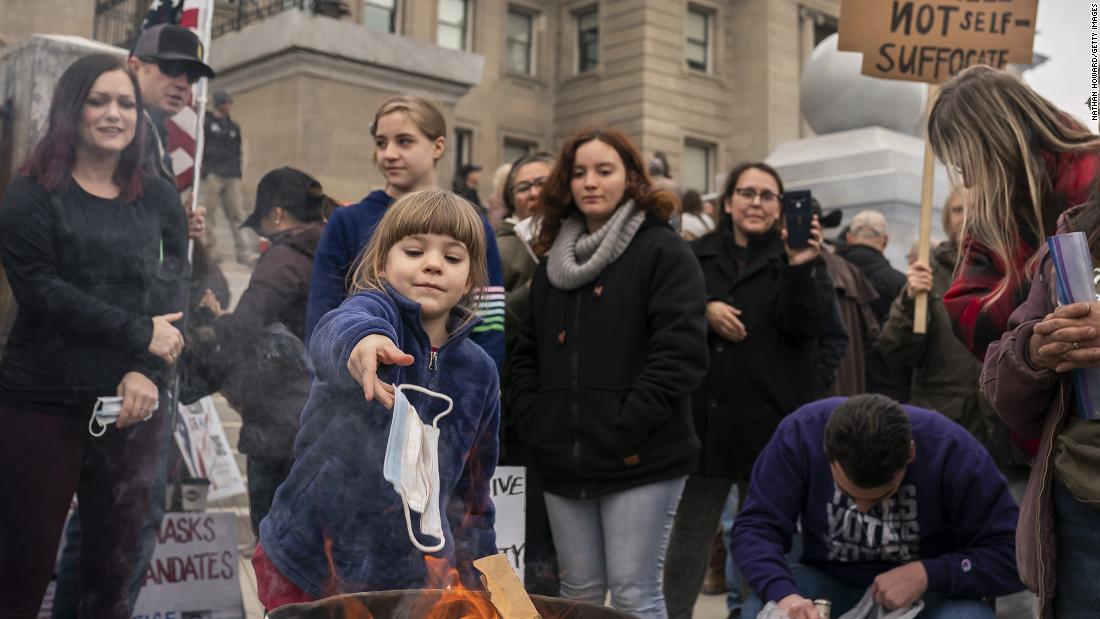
(380,15)
(698,166)
(588,38)
(464,147)
(451,26)
(514,149)
(520,39)
(698,38)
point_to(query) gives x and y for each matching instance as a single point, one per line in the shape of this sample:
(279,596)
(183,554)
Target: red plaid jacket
(977,323)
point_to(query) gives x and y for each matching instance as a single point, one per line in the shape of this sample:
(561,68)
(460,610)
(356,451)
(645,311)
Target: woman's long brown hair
(556,201)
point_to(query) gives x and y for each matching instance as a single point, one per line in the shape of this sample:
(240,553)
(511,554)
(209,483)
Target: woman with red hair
(606,361)
(95,252)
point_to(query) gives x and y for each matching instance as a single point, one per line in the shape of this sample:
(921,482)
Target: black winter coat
(264,359)
(752,384)
(603,374)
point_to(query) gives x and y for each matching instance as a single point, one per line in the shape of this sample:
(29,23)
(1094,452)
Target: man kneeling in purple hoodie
(894,498)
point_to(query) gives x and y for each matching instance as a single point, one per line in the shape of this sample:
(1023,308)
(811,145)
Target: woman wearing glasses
(767,304)
(521,193)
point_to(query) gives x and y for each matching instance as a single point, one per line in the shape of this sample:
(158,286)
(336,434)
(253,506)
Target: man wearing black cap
(221,175)
(167,59)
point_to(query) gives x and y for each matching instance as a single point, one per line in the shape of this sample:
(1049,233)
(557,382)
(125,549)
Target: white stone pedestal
(868,168)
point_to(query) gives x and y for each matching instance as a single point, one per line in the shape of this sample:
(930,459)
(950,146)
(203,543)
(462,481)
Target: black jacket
(752,384)
(603,374)
(222,152)
(89,274)
(267,378)
(883,376)
(885,279)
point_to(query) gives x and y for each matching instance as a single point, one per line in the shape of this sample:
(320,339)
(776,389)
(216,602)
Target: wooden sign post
(931,41)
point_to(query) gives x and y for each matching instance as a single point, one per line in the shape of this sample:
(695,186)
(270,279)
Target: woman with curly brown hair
(607,358)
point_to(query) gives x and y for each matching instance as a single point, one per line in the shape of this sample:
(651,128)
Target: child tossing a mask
(398,441)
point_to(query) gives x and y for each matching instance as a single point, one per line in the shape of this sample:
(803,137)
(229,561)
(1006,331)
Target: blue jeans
(616,542)
(814,584)
(733,575)
(1077,530)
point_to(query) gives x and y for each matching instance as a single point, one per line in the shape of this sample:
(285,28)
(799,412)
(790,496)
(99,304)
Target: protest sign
(932,40)
(194,573)
(509,490)
(206,451)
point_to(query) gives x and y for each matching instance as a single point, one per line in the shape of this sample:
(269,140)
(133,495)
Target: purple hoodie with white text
(953,512)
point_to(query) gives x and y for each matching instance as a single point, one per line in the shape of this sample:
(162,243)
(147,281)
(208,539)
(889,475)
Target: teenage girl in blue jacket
(409,140)
(337,525)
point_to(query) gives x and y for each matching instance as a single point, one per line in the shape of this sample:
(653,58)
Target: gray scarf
(577,258)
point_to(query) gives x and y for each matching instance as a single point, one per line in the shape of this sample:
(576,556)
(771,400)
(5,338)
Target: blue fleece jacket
(336,491)
(953,512)
(345,236)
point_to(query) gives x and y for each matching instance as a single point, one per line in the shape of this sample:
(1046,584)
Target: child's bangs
(439,213)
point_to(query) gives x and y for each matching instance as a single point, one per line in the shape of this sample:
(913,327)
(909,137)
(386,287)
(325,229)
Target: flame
(334,584)
(455,601)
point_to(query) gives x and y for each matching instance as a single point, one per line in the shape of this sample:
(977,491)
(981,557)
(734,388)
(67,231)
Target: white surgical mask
(412,464)
(106,411)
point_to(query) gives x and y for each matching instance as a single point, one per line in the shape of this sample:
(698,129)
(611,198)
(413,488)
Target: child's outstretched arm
(470,510)
(353,339)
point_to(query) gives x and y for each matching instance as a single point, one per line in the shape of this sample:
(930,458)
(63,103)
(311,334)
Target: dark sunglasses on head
(176,68)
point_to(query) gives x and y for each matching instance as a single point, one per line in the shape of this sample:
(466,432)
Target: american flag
(183,127)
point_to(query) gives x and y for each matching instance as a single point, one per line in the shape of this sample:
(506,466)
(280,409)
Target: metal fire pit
(418,604)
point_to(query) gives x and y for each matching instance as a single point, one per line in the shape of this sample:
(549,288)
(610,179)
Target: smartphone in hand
(798,214)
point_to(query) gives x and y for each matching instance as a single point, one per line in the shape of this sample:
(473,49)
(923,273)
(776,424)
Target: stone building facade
(707,82)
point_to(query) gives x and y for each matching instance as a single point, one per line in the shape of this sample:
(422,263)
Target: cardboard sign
(509,490)
(932,40)
(206,451)
(194,572)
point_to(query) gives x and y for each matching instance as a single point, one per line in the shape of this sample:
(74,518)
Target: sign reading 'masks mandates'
(931,41)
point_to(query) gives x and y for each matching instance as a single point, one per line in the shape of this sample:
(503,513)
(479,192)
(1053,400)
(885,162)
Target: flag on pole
(183,127)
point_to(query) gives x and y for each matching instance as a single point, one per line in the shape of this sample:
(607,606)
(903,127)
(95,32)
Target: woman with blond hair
(409,140)
(1025,162)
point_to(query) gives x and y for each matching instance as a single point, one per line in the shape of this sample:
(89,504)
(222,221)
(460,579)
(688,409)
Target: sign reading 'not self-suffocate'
(932,40)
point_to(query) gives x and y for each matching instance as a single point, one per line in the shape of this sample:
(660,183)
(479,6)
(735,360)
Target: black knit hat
(295,191)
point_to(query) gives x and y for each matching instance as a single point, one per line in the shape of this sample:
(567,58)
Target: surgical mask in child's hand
(412,464)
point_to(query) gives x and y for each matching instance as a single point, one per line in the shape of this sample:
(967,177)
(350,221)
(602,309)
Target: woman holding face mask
(94,251)
(609,352)
(767,305)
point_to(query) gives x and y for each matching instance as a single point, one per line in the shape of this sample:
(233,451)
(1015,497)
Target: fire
(455,601)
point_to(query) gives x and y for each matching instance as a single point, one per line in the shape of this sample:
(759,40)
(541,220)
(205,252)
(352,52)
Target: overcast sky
(1062,34)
